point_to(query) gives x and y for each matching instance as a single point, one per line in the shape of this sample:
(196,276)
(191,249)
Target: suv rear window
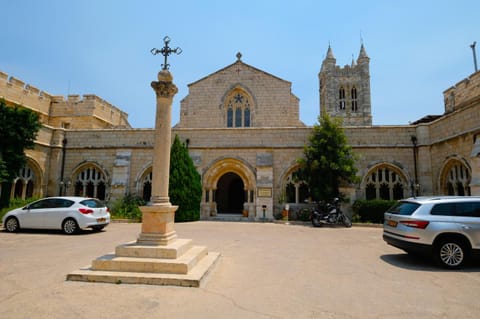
(403,208)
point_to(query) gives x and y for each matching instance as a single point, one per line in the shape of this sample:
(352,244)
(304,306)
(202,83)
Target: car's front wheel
(450,253)
(70,226)
(12,225)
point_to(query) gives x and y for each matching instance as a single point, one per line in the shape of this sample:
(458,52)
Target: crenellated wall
(15,91)
(87,111)
(75,111)
(462,94)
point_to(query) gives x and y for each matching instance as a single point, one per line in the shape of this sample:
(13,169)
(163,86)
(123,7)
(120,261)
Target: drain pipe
(415,181)
(62,169)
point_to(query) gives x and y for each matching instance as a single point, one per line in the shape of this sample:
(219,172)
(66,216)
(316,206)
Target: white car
(66,213)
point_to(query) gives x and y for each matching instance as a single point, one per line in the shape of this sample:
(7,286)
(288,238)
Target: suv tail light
(85,210)
(421,224)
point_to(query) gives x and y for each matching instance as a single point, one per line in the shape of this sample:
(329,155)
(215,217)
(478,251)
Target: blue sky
(417,49)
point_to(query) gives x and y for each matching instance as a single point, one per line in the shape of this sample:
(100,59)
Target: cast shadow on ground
(54,232)
(424,263)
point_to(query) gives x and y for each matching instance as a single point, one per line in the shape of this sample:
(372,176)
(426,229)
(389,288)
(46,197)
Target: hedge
(371,211)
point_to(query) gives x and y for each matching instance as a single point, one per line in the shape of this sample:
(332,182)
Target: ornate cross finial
(166,51)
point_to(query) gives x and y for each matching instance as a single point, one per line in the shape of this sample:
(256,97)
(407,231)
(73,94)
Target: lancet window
(23,184)
(458,180)
(341,98)
(296,191)
(385,183)
(353,94)
(91,182)
(146,184)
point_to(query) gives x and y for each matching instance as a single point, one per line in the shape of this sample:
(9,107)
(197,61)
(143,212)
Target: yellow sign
(264,192)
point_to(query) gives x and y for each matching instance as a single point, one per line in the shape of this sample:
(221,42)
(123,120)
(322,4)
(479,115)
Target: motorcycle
(330,214)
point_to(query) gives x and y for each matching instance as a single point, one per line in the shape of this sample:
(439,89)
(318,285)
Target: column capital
(164,89)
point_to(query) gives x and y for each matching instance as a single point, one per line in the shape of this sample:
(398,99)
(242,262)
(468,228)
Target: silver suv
(446,227)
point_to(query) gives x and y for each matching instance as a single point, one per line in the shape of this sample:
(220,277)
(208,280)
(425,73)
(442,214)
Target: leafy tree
(329,160)
(185,188)
(18,129)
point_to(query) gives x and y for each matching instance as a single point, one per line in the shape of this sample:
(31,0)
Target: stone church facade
(242,129)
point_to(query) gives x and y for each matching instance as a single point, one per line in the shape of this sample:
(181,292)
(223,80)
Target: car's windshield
(403,208)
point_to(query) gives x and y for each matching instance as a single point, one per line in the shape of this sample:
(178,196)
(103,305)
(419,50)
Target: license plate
(392,223)
(101,220)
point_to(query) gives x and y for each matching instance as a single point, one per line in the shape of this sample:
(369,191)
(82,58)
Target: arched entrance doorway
(230,194)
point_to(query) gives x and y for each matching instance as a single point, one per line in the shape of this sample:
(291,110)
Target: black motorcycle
(330,213)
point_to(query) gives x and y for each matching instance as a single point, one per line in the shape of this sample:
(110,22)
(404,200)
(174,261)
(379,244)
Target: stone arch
(91,180)
(236,171)
(28,182)
(216,169)
(385,181)
(455,176)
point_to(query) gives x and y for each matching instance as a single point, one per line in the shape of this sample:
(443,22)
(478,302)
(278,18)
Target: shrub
(371,211)
(303,215)
(185,186)
(127,207)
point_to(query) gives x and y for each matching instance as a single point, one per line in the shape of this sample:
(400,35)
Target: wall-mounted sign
(264,192)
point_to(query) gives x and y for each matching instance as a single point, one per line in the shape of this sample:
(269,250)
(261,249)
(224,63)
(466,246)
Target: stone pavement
(266,270)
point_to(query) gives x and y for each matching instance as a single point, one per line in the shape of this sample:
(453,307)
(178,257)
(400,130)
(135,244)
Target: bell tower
(345,91)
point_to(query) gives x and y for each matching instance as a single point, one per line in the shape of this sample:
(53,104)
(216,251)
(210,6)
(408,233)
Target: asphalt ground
(265,270)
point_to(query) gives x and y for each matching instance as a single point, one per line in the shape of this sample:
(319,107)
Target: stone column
(159,217)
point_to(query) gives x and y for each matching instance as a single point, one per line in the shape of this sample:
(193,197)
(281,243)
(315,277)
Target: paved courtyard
(266,271)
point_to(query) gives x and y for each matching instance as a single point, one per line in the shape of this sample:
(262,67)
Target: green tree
(185,188)
(18,129)
(328,160)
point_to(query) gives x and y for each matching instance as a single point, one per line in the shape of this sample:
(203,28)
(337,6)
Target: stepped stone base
(178,264)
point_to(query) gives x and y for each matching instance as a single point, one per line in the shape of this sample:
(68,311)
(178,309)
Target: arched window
(384,183)
(23,184)
(341,98)
(354,99)
(91,182)
(239,102)
(457,179)
(296,191)
(147,187)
